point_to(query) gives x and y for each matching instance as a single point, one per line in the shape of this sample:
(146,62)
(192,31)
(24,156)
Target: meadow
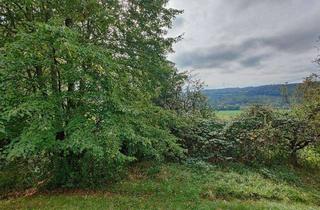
(194,185)
(228,114)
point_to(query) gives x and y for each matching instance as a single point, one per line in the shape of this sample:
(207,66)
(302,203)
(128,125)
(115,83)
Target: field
(192,186)
(228,114)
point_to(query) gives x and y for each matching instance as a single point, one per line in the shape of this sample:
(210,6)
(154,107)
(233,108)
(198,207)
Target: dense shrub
(310,157)
(263,135)
(259,135)
(252,135)
(203,139)
(295,132)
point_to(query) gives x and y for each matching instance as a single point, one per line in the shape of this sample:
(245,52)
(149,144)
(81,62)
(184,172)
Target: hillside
(236,98)
(195,185)
(101,109)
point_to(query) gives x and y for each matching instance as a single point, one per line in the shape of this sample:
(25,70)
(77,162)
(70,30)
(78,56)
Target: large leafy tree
(77,82)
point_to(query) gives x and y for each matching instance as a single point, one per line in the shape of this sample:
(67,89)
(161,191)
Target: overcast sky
(237,43)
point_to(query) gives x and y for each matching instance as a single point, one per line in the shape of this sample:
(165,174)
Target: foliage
(78,79)
(177,186)
(184,95)
(310,100)
(263,135)
(203,139)
(310,157)
(295,132)
(258,135)
(308,111)
(86,89)
(253,136)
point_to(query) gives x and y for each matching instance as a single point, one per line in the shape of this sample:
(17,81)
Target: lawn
(196,186)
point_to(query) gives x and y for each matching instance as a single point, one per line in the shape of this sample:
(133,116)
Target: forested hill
(236,98)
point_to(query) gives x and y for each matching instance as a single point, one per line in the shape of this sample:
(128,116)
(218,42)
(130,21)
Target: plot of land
(199,186)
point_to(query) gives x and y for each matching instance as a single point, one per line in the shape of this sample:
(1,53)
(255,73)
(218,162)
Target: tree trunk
(41,83)
(294,158)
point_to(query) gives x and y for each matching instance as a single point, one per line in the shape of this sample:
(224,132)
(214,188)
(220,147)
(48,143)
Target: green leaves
(77,83)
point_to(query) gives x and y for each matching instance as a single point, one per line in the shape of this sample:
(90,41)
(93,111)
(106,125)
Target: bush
(253,136)
(89,156)
(203,138)
(296,133)
(310,156)
(249,138)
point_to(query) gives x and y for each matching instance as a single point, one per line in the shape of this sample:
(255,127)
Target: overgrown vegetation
(197,185)
(87,91)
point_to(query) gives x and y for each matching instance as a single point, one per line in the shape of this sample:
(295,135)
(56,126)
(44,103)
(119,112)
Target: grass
(197,186)
(228,114)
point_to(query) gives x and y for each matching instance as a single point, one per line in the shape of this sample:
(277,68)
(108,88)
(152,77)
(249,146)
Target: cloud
(254,61)
(242,5)
(294,41)
(254,42)
(178,22)
(208,57)
(221,55)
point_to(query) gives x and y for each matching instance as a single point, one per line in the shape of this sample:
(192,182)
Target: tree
(185,95)
(296,133)
(285,94)
(300,127)
(309,92)
(77,79)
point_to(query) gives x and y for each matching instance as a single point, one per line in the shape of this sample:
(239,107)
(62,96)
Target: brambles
(259,135)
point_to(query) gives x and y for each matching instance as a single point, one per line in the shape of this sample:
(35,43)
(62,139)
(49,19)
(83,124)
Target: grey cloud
(297,40)
(294,42)
(209,57)
(250,40)
(245,4)
(254,61)
(220,56)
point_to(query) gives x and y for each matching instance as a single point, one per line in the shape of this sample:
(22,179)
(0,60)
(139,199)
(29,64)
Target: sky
(239,43)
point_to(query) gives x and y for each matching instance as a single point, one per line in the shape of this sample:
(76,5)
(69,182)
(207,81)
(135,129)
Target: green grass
(228,114)
(199,186)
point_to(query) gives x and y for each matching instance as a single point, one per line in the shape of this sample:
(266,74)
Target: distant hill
(237,98)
